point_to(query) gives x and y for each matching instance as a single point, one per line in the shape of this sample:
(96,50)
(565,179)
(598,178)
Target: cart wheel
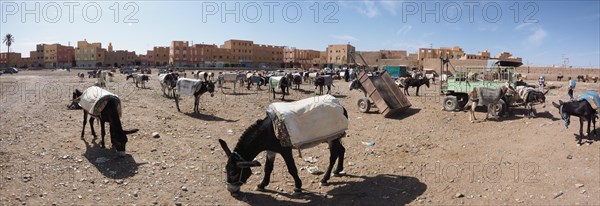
(450,103)
(497,109)
(364,105)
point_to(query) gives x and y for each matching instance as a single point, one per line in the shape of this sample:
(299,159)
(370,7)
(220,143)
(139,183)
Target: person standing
(572,84)
(542,83)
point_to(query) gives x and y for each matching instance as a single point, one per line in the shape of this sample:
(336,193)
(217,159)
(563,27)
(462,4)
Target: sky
(541,32)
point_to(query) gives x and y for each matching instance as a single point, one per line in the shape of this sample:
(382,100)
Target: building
(241,52)
(301,57)
(445,52)
(158,56)
(55,55)
(26,62)
(11,59)
(482,55)
(180,54)
(339,54)
(89,54)
(120,58)
(267,56)
(66,56)
(508,57)
(37,56)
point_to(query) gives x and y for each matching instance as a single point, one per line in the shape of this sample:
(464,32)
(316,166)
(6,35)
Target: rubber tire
(450,103)
(495,110)
(364,105)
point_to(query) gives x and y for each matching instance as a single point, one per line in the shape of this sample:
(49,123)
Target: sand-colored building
(339,54)
(267,55)
(482,55)
(11,59)
(158,56)
(445,52)
(294,56)
(89,54)
(180,54)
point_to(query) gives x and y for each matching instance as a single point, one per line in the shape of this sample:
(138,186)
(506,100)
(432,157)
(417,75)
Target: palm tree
(8,40)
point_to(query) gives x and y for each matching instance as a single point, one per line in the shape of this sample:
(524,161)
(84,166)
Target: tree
(8,40)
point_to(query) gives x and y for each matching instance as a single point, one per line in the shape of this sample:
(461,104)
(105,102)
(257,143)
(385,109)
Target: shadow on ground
(385,189)
(108,162)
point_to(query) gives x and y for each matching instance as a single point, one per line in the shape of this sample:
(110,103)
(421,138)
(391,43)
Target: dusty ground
(424,156)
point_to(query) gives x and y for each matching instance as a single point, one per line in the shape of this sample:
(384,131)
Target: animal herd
(261,136)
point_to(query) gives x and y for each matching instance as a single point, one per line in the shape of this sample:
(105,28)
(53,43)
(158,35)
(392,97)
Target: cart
(381,91)
(456,88)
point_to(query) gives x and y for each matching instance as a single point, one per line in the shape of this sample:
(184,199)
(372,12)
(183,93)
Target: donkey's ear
(555,105)
(225,147)
(131,131)
(560,102)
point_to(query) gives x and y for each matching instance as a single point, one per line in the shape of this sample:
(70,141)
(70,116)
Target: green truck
(457,87)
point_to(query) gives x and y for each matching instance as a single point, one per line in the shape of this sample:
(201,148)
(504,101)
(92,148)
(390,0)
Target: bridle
(238,158)
(567,119)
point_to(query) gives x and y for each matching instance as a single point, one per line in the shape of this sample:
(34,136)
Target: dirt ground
(423,156)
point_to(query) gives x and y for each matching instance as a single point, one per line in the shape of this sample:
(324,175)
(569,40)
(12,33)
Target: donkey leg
(291,166)
(102,133)
(333,155)
(84,122)
(268,170)
(417,94)
(580,131)
(340,164)
(196,99)
(92,126)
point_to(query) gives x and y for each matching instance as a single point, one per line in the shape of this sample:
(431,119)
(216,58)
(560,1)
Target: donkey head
(119,140)
(563,114)
(237,168)
(210,87)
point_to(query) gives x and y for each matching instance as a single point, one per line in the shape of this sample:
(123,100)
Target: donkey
(475,98)
(559,77)
(110,114)
(355,84)
(204,86)
(261,137)
(81,76)
(297,80)
(282,82)
(534,97)
(139,78)
(531,97)
(324,80)
(411,82)
(168,81)
(75,101)
(581,109)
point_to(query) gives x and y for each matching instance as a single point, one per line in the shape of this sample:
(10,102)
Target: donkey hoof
(339,174)
(259,188)
(297,190)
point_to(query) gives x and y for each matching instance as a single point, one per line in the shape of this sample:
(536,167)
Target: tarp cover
(489,95)
(188,86)
(523,92)
(94,99)
(592,97)
(275,81)
(308,122)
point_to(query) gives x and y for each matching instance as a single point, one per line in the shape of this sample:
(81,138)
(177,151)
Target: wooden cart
(381,90)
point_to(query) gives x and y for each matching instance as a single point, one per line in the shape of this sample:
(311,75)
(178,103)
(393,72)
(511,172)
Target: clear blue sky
(540,32)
